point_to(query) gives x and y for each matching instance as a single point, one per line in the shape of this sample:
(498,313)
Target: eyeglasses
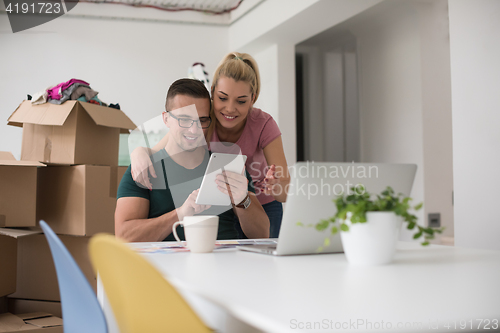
(204,122)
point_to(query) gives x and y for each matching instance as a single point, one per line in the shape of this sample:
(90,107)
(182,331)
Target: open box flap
(43,114)
(109,117)
(56,115)
(16,233)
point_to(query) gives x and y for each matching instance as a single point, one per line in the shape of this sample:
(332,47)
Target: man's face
(183,120)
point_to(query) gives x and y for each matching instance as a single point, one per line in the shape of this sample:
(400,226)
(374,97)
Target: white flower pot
(373,242)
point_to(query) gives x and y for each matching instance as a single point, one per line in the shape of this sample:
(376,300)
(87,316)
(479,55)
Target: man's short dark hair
(189,87)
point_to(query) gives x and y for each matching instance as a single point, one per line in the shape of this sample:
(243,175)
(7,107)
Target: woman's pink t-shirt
(260,130)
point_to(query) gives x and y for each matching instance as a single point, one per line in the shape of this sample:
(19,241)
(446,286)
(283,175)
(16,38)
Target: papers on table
(173,247)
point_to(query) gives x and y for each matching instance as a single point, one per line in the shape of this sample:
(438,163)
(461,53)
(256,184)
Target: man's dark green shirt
(171,188)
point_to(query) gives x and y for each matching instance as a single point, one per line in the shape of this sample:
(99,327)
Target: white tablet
(209,193)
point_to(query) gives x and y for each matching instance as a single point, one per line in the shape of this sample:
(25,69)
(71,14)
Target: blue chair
(80,309)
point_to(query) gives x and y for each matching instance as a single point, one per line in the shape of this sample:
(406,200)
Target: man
(144,215)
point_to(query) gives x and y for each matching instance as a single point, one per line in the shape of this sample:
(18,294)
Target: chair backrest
(80,309)
(141,299)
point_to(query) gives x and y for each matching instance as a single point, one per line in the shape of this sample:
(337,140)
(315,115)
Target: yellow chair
(141,299)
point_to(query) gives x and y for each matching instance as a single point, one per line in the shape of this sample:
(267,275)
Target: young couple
(233,122)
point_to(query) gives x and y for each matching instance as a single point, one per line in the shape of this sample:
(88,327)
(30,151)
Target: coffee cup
(200,232)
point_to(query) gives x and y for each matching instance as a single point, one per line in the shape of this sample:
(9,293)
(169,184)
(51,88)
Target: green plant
(355,206)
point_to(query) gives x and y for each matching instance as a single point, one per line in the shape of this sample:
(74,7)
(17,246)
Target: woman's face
(232,102)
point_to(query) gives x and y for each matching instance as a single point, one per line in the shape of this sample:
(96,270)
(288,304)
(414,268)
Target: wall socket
(434,220)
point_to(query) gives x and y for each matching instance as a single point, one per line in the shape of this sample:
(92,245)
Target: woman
(240,126)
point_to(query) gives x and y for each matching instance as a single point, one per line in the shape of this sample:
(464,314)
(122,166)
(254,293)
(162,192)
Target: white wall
(129,62)
(277,96)
(286,99)
(405,98)
(267,16)
(475,74)
(390,89)
(291,21)
(267,61)
(436,110)
(283,24)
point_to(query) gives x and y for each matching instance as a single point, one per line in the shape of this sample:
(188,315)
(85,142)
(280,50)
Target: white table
(425,289)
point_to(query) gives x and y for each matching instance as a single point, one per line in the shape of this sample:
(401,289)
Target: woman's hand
(140,165)
(233,184)
(271,181)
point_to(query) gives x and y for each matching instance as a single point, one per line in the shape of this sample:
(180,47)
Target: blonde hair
(239,67)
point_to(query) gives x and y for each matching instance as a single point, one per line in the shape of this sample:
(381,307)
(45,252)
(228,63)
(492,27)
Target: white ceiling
(211,6)
(207,12)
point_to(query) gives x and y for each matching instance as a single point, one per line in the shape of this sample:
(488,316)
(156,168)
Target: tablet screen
(209,193)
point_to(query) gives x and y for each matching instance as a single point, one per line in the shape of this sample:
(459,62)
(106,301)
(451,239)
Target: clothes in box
(71,133)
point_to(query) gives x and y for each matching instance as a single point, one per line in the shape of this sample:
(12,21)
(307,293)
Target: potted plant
(370,227)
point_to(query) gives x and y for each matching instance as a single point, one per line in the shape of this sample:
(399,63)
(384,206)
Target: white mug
(200,232)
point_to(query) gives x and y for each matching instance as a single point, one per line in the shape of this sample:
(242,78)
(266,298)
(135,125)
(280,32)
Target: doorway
(327,110)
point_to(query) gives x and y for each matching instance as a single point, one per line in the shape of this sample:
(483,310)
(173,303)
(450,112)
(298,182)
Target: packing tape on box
(47,149)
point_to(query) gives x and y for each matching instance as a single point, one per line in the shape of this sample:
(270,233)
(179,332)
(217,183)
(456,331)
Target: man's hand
(234,185)
(140,165)
(190,207)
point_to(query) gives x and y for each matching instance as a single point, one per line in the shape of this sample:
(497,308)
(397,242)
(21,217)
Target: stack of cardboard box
(68,176)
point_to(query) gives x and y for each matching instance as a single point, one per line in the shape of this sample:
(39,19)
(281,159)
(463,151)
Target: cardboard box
(18,181)
(3,304)
(78,200)
(71,133)
(36,277)
(33,322)
(17,306)
(8,264)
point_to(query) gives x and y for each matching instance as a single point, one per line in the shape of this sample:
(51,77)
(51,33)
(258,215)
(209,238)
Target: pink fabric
(260,130)
(56,92)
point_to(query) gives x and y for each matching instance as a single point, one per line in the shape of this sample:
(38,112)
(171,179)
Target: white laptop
(313,187)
